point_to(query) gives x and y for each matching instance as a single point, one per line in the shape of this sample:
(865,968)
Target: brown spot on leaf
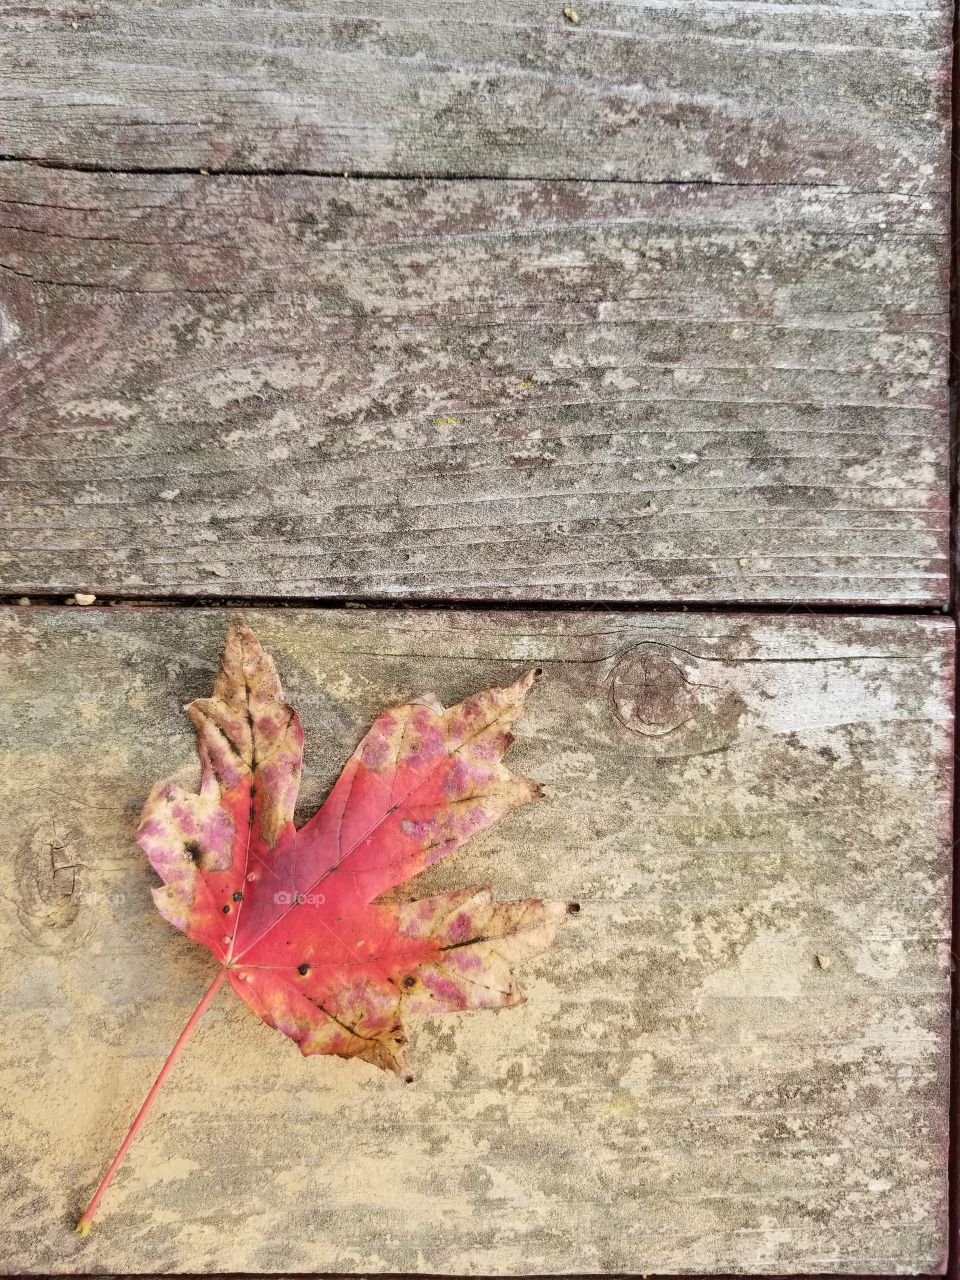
(194,851)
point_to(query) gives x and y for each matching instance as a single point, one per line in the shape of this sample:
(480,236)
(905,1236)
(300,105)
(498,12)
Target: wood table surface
(687,1087)
(472,302)
(611,338)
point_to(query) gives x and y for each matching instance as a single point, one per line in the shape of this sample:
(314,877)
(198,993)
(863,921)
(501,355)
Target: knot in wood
(675,702)
(48,890)
(651,693)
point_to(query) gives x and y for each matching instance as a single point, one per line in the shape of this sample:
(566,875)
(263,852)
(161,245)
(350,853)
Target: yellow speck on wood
(571,15)
(823,962)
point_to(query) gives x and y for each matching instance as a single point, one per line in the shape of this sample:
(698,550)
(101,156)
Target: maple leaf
(292,916)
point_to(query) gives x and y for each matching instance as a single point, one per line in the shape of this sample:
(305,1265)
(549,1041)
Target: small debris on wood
(823,962)
(84,598)
(24,600)
(571,15)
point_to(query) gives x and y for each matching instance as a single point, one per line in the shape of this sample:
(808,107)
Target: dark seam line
(117,600)
(382,175)
(953,1108)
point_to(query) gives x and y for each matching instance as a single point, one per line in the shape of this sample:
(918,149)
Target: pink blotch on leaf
(183,818)
(460,927)
(377,754)
(444,989)
(457,780)
(218,836)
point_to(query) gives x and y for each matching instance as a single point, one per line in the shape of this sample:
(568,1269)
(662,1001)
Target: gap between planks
(781,608)
(953,366)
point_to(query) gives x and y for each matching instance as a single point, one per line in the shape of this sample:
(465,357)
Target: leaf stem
(86,1221)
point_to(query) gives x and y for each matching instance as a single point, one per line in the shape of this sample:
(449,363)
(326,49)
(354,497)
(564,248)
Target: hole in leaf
(303,970)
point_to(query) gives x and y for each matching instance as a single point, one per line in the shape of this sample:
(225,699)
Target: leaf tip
(83,1227)
(526,682)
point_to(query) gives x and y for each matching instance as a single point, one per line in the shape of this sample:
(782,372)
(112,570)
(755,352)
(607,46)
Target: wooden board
(851,94)
(302,387)
(687,1088)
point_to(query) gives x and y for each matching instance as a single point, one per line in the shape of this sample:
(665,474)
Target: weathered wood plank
(853,94)
(310,387)
(686,1090)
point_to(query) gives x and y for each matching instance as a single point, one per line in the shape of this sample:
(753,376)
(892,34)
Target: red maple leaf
(291,916)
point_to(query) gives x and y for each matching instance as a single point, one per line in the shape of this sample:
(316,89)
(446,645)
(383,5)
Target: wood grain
(852,94)
(304,387)
(687,1089)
